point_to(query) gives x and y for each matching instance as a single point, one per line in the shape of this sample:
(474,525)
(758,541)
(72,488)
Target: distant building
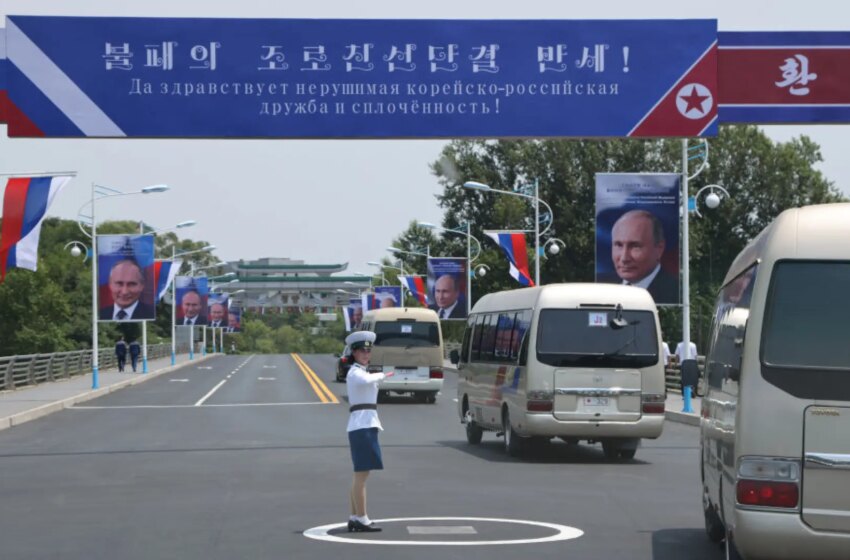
(274,285)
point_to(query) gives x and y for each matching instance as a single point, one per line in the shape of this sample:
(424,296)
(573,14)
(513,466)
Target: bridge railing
(31,369)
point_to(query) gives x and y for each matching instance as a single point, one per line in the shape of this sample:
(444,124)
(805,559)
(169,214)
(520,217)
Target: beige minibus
(410,343)
(775,419)
(574,361)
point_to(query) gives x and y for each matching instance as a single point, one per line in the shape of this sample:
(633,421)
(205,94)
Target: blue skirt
(365,450)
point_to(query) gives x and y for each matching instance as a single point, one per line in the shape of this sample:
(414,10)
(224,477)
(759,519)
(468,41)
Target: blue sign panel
(143,77)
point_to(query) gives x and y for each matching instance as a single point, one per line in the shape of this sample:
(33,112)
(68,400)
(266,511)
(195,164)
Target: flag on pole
(4,95)
(25,204)
(416,286)
(513,244)
(164,273)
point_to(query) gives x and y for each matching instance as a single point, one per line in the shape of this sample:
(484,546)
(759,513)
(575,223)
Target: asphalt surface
(238,456)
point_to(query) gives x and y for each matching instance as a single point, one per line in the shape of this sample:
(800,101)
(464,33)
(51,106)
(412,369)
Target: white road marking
(266,378)
(208,395)
(230,405)
(446,530)
(562,532)
(204,367)
(269,367)
(178,380)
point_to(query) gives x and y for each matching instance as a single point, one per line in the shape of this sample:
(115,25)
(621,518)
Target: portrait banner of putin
(447,279)
(125,278)
(387,296)
(637,232)
(192,294)
(217,311)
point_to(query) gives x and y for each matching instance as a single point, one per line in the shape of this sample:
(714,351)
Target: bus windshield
(585,338)
(406,333)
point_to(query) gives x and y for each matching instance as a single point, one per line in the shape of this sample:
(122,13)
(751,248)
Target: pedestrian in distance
(363,427)
(121,353)
(135,350)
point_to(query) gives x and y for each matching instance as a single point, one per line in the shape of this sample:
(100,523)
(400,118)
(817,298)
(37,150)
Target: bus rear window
(406,333)
(584,337)
(807,316)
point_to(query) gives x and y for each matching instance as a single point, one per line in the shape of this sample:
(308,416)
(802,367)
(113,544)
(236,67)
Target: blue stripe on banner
(781,38)
(786,114)
(507,244)
(11,261)
(33,103)
(36,204)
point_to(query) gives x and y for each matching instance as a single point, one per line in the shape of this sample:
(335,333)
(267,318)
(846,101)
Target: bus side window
(467,334)
(488,337)
(519,344)
(476,339)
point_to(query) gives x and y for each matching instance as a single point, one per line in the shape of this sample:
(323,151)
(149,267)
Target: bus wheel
(474,433)
(615,452)
(513,443)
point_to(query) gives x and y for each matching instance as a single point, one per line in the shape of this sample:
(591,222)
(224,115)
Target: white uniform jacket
(362,389)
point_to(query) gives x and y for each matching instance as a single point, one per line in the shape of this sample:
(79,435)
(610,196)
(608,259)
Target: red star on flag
(694,100)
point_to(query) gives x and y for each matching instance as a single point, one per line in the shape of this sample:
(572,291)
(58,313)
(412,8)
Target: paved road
(238,456)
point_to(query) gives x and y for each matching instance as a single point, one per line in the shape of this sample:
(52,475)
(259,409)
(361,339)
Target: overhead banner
(125,278)
(192,296)
(637,232)
(447,278)
(360,78)
(3,87)
(784,77)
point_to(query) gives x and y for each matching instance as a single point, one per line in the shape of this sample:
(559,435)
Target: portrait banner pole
(204,351)
(469,272)
(686,288)
(94,348)
(173,314)
(191,341)
(144,323)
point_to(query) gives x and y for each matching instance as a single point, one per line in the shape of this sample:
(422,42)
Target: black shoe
(358,527)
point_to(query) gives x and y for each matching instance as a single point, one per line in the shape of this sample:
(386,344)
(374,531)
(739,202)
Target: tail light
(436,373)
(768,482)
(540,401)
(652,403)
(343,360)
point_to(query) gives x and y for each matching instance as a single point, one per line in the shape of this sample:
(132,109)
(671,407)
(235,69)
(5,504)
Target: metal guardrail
(31,369)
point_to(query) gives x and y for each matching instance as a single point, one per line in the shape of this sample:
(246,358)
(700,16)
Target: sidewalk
(29,403)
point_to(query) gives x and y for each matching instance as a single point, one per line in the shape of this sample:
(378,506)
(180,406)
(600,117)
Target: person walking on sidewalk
(121,353)
(363,427)
(135,350)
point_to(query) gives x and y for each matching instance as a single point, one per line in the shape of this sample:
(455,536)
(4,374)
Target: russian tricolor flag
(164,273)
(416,286)
(4,95)
(24,206)
(513,244)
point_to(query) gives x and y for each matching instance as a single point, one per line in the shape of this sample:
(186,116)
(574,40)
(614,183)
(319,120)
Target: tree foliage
(763,178)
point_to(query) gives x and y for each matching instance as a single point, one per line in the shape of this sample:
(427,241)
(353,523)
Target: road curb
(50,408)
(682,417)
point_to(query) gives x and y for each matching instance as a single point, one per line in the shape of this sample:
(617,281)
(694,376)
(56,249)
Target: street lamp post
(469,258)
(102,192)
(537,202)
(154,231)
(175,254)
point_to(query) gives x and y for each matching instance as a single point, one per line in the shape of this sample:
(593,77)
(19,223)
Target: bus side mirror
(454,357)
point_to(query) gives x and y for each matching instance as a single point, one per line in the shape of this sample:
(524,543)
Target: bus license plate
(595,401)
(407,372)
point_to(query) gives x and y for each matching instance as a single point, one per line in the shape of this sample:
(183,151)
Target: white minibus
(574,361)
(410,343)
(775,419)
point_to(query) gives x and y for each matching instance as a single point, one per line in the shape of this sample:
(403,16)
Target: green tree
(763,177)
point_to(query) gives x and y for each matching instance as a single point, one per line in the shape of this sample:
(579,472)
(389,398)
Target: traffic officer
(363,426)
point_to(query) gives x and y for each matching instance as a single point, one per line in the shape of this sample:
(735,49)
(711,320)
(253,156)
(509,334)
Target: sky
(336,201)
